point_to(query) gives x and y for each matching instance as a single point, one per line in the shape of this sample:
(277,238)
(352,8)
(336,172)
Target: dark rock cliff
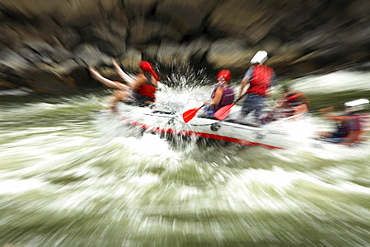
(46,45)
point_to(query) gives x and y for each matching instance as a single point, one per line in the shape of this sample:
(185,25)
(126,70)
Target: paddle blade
(223,112)
(189,114)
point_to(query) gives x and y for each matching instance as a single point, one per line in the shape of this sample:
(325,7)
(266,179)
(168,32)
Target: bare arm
(122,74)
(218,95)
(335,117)
(113,84)
(330,108)
(243,83)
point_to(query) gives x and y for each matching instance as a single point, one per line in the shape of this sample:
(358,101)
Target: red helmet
(146,66)
(224,75)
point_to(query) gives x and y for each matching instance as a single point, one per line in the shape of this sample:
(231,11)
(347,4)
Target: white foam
(14,186)
(334,82)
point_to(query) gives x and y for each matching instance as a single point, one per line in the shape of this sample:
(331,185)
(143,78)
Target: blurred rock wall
(46,45)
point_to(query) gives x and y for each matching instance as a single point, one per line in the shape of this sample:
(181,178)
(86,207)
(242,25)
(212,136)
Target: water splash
(63,183)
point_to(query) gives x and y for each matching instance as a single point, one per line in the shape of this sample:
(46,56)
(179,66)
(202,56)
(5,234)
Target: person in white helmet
(350,126)
(260,78)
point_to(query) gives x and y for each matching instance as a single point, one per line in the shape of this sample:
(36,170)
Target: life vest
(227,98)
(147,89)
(261,80)
(342,130)
(352,123)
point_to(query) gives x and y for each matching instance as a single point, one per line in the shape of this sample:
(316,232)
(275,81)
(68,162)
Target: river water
(68,180)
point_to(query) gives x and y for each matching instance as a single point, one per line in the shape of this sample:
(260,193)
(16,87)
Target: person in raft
(139,91)
(351,126)
(260,78)
(292,103)
(221,96)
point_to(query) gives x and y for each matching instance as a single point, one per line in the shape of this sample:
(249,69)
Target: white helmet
(260,57)
(356,105)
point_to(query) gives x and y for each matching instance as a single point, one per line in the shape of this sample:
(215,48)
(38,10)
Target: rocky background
(45,45)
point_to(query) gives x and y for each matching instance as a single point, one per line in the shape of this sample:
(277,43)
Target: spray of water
(70,177)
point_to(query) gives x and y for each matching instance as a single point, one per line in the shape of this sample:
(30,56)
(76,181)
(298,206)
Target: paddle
(189,114)
(223,112)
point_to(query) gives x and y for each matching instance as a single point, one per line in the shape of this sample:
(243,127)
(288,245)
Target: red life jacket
(147,89)
(261,80)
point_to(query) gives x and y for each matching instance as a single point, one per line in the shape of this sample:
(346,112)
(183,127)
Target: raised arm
(113,84)
(123,74)
(243,83)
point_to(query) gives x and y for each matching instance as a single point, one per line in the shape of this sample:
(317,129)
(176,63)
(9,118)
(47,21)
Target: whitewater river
(66,179)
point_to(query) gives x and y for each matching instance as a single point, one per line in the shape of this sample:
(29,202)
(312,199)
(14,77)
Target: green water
(65,180)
